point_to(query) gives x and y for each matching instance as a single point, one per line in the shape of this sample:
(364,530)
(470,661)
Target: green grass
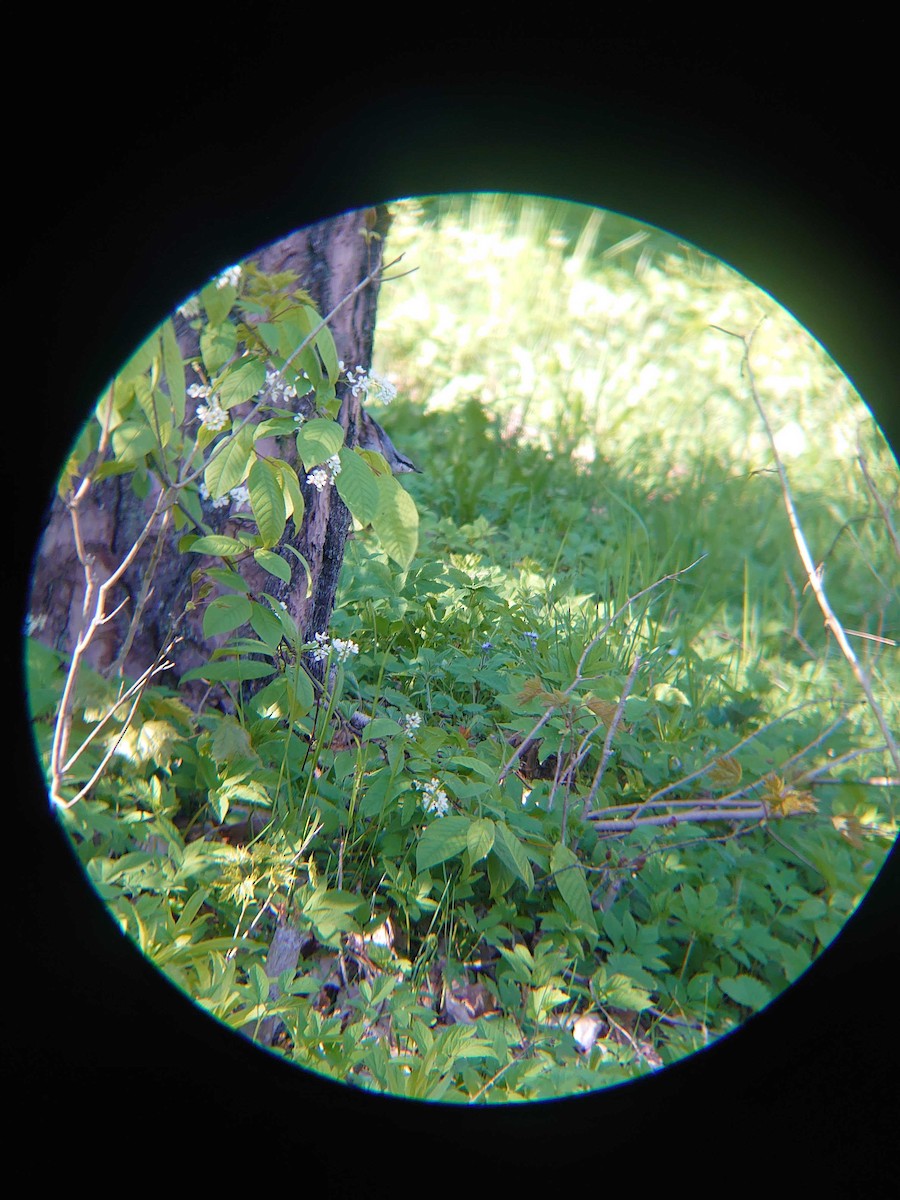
(584,432)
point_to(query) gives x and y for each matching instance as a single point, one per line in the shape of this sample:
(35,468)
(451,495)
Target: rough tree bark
(329,259)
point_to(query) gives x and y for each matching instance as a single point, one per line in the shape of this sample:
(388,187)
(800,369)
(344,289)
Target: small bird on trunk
(373,437)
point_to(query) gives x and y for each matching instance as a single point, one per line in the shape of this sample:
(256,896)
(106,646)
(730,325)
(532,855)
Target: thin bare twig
(813,575)
(610,734)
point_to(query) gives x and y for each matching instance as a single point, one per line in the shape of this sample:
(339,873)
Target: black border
(132,193)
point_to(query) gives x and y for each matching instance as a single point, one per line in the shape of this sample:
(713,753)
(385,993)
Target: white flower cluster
(373,385)
(190,308)
(34,623)
(277,389)
(340,649)
(212,416)
(231,275)
(434,798)
(410,723)
(238,494)
(327,473)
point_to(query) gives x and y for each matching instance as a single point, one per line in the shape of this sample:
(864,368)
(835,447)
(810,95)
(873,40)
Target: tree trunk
(329,259)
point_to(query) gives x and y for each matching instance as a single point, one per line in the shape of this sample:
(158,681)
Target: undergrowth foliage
(581,792)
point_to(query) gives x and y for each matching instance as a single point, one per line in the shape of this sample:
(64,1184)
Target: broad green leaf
(229,463)
(224,614)
(480,839)
(139,362)
(326,347)
(288,624)
(217,301)
(319,440)
(290,489)
(274,564)
(275,427)
(397,521)
(229,579)
(511,853)
(443,838)
(569,877)
(217,544)
(300,690)
(132,440)
(468,762)
(746,990)
(217,344)
(230,740)
(173,367)
(358,487)
(266,624)
(236,669)
(267,502)
(521,961)
(242,382)
(619,990)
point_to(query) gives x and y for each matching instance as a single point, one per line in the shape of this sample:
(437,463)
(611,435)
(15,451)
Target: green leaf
(267,502)
(229,463)
(619,990)
(230,740)
(275,427)
(480,839)
(358,487)
(235,669)
(225,613)
(173,367)
(274,564)
(326,347)
(300,690)
(132,440)
(217,544)
(242,382)
(290,489)
(570,879)
(229,579)
(396,522)
(746,990)
(443,838)
(217,344)
(319,440)
(511,853)
(217,301)
(266,624)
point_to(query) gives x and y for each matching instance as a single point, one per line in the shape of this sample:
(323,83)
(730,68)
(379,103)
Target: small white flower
(375,386)
(240,494)
(342,650)
(319,478)
(35,623)
(190,309)
(231,275)
(410,723)
(277,389)
(220,502)
(327,473)
(199,391)
(434,798)
(212,416)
